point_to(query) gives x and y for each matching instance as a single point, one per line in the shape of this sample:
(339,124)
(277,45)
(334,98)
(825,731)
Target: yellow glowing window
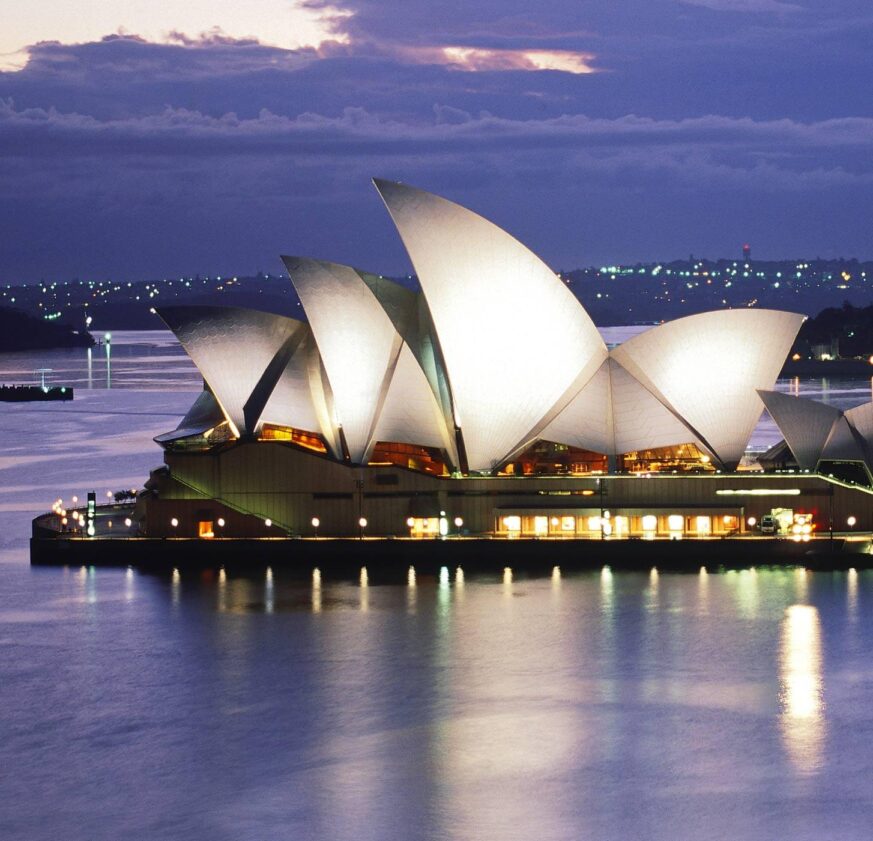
(594,524)
(512,523)
(650,522)
(704,524)
(541,525)
(204,529)
(568,524)
(675,522)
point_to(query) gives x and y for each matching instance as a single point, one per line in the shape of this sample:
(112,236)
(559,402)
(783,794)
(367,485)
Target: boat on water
(20,393)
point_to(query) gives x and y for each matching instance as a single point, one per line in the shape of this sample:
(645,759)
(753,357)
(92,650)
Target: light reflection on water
(348,708)
(802,688)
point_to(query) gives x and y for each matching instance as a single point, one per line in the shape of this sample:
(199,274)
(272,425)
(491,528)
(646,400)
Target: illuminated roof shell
(706,368)
(518,346)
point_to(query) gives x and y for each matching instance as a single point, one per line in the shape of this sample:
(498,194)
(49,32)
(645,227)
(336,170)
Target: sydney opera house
(484,403)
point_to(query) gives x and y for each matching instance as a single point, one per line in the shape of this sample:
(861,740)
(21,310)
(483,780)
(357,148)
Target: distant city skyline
(145,140)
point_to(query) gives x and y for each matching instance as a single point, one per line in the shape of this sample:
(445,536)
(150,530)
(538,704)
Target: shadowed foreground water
(593,706)
(599,706)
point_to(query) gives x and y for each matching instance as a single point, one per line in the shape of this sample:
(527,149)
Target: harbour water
(292,706)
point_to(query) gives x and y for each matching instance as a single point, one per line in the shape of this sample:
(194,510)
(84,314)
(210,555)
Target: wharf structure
(484,405)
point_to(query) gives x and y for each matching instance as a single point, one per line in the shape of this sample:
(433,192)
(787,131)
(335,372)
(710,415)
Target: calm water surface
(595,706)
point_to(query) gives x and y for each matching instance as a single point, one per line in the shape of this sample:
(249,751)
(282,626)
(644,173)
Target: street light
(174,522)
(851,521)
(363,524)
(315,524)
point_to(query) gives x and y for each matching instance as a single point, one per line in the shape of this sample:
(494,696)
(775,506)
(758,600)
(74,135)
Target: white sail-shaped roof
(410,413)
(356,339)
(861,419)
(616,414)
(238,352)
(640,420)
(706,369)
(843,443)
(587,421)
(292,402)
(805,424)
(517,344)
(379,390)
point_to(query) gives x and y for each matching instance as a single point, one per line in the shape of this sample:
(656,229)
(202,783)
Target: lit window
(512,523)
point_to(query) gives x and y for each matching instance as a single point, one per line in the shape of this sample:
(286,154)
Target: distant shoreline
(859,368)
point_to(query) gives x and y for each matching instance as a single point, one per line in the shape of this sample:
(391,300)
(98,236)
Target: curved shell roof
(494,353)
(215,337)
(805,424)
(509,372)
(706,368)
(380,393)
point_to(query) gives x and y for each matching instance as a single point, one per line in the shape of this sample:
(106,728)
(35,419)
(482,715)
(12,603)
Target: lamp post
(362,524)
(315,524)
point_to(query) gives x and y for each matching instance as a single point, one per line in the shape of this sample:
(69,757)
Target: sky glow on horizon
(280,23)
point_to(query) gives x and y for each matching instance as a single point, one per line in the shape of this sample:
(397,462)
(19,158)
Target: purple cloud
(703,127)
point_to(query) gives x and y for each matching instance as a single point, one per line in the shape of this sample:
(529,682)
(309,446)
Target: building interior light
(758,492)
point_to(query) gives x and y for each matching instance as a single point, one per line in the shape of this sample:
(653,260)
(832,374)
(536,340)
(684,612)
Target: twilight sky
(141,139)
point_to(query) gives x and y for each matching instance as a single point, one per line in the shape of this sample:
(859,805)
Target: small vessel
(20,393)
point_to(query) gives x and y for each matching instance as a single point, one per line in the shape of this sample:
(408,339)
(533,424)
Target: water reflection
(222,590)
(364,582)
(801,584)
(652,591)
(108,346)
(852,593)
(802,688)
(507,581)
(411,590)
(607,586)
(556,578)
(316,590)
(747,593)
(176,586)
(703,592)
(129,579)
(269,592)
